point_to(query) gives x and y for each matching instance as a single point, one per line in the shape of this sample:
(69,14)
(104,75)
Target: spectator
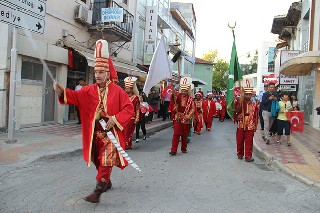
(267,99)
(81,83)
(283,123)
(260,108)
(153,100)
(144,112)
(295,103)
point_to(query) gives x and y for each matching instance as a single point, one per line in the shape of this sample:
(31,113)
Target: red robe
(132,125)
(117,105)
(222,113)
(198,115)
(209,110)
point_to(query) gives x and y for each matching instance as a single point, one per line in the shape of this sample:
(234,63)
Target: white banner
(112,14)
(150,40)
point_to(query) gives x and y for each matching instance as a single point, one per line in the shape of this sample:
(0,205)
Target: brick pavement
(302,157)
(36,142)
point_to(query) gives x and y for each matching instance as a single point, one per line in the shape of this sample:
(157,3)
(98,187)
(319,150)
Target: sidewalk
(301,160)
(36,142)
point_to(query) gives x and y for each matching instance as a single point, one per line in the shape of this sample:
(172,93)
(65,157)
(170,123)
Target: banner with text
(150,40)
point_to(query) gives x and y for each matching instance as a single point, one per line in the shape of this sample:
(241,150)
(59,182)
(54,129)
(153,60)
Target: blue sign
(112,14)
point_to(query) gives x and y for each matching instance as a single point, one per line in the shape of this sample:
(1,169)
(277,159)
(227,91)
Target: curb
(281,167)
(78,149)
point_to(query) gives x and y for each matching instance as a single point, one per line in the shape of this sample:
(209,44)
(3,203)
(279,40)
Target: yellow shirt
(284,107)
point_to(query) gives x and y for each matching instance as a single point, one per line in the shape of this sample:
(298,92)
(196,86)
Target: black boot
(95,196)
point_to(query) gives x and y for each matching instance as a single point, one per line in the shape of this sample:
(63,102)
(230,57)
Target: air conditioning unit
(83,14)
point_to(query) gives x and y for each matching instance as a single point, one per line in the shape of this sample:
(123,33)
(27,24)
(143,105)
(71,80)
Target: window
(31,71)
(125,2)
(84,1)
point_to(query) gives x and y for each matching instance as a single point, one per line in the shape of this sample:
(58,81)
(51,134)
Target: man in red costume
(223,110)
(102,100)
(209,110)
(247,116)
(198,113)
(132,91)
(184,108)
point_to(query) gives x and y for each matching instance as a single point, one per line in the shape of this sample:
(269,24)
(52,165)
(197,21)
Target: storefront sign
(112,14)
(288,54)
(288,88)
(267,79)
(150,41)
(289,79)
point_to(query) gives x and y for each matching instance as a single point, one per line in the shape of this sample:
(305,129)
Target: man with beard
(198,124)
(133,93)
(247,116)
(209,110)
(184,109)
(102,100)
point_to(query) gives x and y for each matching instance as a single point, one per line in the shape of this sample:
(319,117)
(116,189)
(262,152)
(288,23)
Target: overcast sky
(254,21)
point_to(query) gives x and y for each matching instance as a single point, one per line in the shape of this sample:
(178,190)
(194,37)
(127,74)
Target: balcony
(112,31)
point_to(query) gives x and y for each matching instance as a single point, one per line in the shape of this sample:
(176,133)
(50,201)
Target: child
(283,123)
(144,112)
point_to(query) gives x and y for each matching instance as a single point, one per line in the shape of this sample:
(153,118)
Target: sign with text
(12,15)
(289,79)
(112,14)
(36,7)
(288,88)
(150,41)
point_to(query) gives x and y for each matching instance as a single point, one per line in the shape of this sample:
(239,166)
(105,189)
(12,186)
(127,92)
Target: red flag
(70,58)
(167,92)
(296,119)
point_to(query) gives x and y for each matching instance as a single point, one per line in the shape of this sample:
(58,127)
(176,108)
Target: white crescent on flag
(295,118)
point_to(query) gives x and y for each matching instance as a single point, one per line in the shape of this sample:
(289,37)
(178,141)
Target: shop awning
(302,64)
(128,69)
(88,56)
(87,53)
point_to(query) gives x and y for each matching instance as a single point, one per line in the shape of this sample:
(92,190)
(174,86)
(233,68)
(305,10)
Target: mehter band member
(102,100)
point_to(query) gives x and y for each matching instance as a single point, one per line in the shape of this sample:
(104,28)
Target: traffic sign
(36,7)
(14,17)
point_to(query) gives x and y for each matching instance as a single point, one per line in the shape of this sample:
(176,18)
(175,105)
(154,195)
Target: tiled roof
(201,61)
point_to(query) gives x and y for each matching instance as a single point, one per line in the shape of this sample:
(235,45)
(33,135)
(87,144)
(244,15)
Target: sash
(188,106)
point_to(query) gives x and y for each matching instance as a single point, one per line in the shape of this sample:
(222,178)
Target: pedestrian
(133,93)
(144,112)
(198,115)
(247,116)
(81,83)
(166,97)
(268,98)
(102,100)
(153,100)
(209,110)
(283,122)
(260,107)
(295,103)
(184,108)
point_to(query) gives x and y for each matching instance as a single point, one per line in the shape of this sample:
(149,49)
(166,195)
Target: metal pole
(12,94)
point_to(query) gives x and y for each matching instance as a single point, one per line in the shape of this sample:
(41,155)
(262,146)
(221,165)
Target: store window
(31,71)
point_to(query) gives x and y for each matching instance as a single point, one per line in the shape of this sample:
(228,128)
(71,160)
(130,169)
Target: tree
(220,69)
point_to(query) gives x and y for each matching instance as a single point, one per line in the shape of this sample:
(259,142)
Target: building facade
(203,70)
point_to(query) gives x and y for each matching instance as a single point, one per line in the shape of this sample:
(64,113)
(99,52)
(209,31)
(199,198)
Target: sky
(253,24)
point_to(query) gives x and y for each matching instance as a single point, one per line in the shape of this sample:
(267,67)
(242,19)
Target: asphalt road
(209,178)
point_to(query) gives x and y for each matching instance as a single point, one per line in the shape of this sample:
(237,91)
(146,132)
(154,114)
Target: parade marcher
(184,107)
(133,93)
(102,100)
(209,109)
(198,115)
(223,110)
(247,116)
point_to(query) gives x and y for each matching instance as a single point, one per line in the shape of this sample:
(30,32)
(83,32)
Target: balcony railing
(120,31)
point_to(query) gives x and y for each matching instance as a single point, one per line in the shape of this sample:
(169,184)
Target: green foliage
(220,70)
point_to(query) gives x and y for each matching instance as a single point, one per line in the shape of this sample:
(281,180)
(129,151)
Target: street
(209,178)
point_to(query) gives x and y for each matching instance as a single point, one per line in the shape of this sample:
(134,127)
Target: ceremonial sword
(119,148)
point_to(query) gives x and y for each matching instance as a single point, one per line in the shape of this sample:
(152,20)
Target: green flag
(235,74)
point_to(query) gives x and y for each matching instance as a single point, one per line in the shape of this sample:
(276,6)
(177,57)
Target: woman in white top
(295,102)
